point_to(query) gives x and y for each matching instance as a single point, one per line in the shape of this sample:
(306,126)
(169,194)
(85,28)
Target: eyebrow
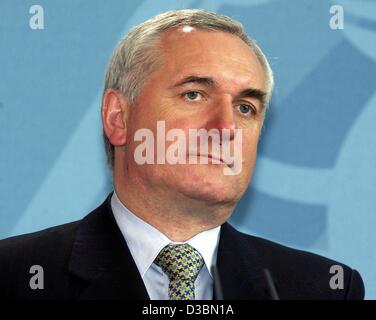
(207,81)
(254,93)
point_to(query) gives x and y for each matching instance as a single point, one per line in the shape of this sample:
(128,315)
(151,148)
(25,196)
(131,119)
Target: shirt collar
(145,242)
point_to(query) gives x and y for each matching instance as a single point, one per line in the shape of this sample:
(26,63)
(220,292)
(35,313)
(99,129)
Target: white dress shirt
(145,242)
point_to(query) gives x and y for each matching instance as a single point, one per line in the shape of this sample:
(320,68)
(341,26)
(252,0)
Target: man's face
(202,83)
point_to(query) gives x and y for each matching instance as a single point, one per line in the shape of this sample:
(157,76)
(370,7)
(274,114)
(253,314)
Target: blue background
(314,182)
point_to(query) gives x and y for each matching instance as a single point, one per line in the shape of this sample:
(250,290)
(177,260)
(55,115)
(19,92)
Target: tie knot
(180,261)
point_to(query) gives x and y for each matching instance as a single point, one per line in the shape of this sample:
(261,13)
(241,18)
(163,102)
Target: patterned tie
(181,263)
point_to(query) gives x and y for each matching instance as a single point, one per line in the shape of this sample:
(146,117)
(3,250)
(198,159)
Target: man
(160,232)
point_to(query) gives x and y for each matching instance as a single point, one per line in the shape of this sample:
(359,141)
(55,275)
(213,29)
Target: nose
(221,116)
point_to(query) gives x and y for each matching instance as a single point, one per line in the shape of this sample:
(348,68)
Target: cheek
(142,117)
(182,122)
(249,148)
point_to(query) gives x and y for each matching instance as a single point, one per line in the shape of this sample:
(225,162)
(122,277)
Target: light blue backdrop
(314,184)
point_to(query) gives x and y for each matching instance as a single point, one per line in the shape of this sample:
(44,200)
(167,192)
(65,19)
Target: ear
(115,110)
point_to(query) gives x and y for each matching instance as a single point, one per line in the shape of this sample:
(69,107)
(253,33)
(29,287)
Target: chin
(212,198)
(208,186)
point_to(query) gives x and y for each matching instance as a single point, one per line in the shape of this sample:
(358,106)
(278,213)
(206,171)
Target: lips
(210,156)
(213,157)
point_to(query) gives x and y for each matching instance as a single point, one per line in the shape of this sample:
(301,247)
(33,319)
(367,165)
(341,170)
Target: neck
(177,216)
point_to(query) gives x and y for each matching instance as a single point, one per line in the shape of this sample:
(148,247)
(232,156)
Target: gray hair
(135,56)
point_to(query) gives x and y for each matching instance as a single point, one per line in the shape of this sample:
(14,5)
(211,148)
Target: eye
(192,95)
(245,109)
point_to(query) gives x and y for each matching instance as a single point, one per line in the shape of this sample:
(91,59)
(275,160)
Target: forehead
(223,56)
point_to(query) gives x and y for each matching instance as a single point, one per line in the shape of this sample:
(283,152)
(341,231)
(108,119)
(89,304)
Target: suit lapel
(101,258)
(240,267)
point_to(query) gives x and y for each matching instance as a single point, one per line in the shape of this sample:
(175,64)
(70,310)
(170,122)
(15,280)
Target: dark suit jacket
(89,259)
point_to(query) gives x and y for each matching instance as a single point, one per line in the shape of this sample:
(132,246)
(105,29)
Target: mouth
(217,159)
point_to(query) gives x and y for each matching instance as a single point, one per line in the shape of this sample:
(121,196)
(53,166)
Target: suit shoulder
(281,252)
(268,249)
(304,274)
(48,249)
(37,245)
